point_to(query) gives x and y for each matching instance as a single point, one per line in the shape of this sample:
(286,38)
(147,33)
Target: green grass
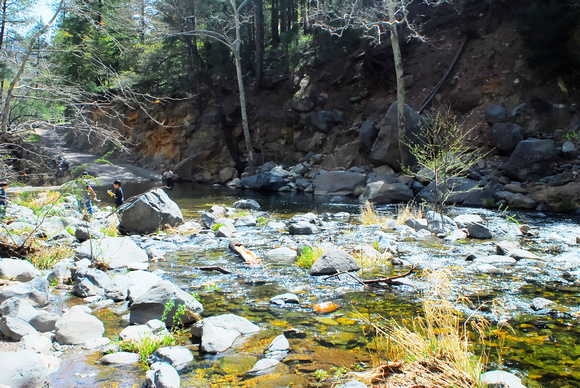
(147,346)
(309,256)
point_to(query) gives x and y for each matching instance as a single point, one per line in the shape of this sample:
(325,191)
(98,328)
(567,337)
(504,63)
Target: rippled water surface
(542,348)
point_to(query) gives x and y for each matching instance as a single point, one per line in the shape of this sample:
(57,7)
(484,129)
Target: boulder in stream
(149,212)
(77,326)
(16,269)
(334,261)
(219,333)
(24,369)
(162,375)
(115,252)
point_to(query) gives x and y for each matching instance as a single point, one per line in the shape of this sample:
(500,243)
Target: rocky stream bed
(58,324)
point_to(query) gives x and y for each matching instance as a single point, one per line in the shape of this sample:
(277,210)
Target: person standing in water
(118,194)
(168,176)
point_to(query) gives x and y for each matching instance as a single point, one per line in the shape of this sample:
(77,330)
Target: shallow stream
(543,347)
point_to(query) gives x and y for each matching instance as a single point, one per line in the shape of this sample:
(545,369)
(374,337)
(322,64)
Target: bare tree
(374,18)
(230,35)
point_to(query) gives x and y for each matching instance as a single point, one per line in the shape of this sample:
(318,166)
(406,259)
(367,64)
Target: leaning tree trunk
(398,59)
(238,60)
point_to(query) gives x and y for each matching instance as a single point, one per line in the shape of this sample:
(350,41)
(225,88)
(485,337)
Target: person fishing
(168,176)
(118,193)
(87,195)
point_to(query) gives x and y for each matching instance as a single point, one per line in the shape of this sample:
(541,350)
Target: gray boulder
(506,136)
(115,252)
(15,269)
(131,285)
(44,321)
(284,299)
(36,292)
(338,183)
(352,384)
(323,120)
(23,369)
(569,150)
(219,333)
(367,135)
(264,367)
(281,254)
(151,304)
(162,375)
(90,282)
(501,379)
(532,159)
(496,114)
(61,274)
(150,212)
(464,220)
(385,150)
(478,231)
(271,180)
(138,333)
(334,261)
(381,192)
(177,356)
(120,358)
(541,304)
(302,228)
(439,224)
(77,326)
(36,343)
(15,328)
(278,348)
(247,204)
(248,220)
(521,201)
(19,308)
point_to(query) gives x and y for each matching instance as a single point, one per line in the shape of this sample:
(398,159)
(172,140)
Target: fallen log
(388,281)
(214,268)
(249,257)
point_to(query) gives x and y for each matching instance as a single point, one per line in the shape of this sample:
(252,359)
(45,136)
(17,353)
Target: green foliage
(147,346)
(572,136)
(309,256)
(217,226)
(509,218)
(321,374)
(440,148)
(33,138)
(211,287)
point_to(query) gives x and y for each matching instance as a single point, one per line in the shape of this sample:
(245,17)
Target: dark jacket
(119,197)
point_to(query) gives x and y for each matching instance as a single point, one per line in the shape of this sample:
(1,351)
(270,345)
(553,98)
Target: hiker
(87,195)
(3,198)
(118,194)
(168,176)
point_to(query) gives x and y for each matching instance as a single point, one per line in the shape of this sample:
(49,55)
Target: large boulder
(14,269)
(23,369)
(382,192)
(78,326)
(385,150)
(19,308)
(115,252)
(501,379)
(532,159)
(131,285)
(559,199)
(162,375)
(177,356)
(15,328)
(506,136)
(271,180)
(219,333)
(439,224)
(148,213)
(339,183)
(35,292)
(151,304)
(334,261)
(367,135)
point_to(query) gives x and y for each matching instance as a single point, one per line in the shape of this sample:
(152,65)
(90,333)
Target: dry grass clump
(185,229)
(369,216)
(45,198)
(435,351)
(369,257)
(409,211)
(45,257)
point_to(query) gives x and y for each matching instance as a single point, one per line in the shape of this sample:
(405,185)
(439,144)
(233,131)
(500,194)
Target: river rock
(506,136)
(162,375)
(115,252)
(501,379)
(148,213)
(61,274)
(521,201)
(338,183)
(120,358)
(36,292)
(44,321)
(77,326)
(541,303)
(496,114)
(19,308)
(532,159)
(334,261)
(15,328)
(20,270)
(302,228)
(416,223)
(278,348)
(382,192)
(456,235)
(22,369)
(138,333)
(264,366)
(247,204)
(439,224)
(36,343)
(464,220)
(248,220)
(367,135)
(131,285)
(177,356)
(220,332)
(495,260)
(272,180)
(283,299)
(479,231)
(151,304)
(520,254)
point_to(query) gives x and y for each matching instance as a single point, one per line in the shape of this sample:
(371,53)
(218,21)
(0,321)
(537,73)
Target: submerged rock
(501,379)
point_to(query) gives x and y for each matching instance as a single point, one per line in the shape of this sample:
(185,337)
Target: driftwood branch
(344,273)
(214,268)
(389,280)
(249,257)
(428,99)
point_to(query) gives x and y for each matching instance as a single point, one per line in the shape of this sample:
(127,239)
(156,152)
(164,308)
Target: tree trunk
(259,4)
(391,10)
(274,24)
(238,60)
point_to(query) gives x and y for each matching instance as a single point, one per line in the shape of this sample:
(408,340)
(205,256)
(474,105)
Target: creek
(541,346)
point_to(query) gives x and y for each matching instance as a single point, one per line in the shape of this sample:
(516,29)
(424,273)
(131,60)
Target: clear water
(542,348)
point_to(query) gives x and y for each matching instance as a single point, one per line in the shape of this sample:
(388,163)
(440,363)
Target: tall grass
(409,211)
(309,256)
(147,346)
(433,351)
(370,257)
(45,257)
(369,216)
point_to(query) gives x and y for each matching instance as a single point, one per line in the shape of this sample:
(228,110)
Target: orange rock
(326,307)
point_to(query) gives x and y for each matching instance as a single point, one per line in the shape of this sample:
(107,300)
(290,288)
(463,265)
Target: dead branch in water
(214,268)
